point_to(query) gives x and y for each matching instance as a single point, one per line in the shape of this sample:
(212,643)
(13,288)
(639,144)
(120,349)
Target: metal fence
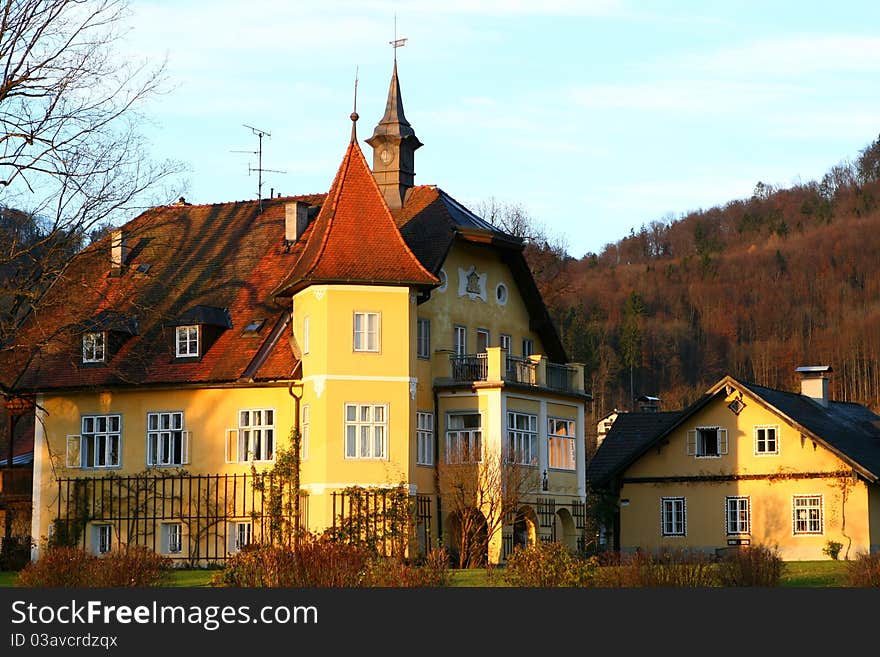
(192,518)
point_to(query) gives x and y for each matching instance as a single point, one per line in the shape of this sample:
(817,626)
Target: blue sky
(595,116)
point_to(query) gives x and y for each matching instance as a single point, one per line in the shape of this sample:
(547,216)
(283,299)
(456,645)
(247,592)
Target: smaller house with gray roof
(746,465)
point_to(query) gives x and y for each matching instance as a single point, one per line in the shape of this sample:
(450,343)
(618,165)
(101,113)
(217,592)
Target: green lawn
(797,574)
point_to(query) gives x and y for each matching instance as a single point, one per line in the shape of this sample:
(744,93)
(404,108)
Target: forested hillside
(753,288)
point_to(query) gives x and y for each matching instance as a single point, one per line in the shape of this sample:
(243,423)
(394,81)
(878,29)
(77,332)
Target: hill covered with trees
(753,288)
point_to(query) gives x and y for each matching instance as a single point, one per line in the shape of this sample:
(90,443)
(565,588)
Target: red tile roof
(355,239)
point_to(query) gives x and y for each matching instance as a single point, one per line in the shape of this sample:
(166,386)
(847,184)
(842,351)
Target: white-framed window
(528,347)
(673,516)
(806,514)
(561,443)
(766,440)
(423,337)
(464,438)
(167,441)
(102,538)
(241,534)
(172,537)
(738,515)
(459,340)
(254,439)
(522,438)
(366,331)
(305,431)
(424,438)
(482,340)
(94,347)
(707,442)
(99,444)
(504,342)
(366,431)
(306,345)
(187,341)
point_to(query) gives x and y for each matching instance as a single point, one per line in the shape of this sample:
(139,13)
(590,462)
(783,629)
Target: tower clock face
(386,155)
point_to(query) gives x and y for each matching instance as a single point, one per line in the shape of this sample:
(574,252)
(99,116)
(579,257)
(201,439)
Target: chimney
(296,218)
(648,404)
(814,382)
(118,250)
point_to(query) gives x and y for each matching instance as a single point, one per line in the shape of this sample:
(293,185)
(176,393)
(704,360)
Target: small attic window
(94,347)
(143,268)
(187,341)
(253,327)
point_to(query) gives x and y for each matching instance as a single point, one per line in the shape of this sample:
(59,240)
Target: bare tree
(480,498)
(72,158)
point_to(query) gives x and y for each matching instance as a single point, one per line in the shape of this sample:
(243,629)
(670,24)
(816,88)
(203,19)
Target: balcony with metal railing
(496,364)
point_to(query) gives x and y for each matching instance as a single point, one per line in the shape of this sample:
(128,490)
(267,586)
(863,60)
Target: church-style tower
(394,143)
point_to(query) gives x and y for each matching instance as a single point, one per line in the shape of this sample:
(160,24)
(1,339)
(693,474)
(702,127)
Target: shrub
(754,565)
(433,571)
(681,568)
(548,565)
(135,566)
(832,549)
(864,570)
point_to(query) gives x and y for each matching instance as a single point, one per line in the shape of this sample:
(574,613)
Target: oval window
(501,293)
(443,280)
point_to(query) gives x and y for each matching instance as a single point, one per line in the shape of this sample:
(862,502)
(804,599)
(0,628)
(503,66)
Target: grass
(803,574)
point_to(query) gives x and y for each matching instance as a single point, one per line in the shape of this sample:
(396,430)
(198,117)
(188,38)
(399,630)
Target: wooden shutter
(74,456)
(722,441)
(232,445)
(692,442)
(184,447)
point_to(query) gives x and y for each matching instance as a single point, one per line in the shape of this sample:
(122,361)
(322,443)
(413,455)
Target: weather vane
(397,43)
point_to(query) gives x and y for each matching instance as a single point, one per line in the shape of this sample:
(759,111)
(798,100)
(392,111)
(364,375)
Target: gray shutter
(232,445)
(722,441)
(74,454)
(184,447)
(692,442)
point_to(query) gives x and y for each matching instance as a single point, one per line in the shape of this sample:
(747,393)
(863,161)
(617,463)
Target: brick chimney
(296,218)
(814,382)
(118,250)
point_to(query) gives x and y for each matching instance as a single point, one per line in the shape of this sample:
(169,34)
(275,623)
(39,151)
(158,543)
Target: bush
(548,565)
(754,565)
(682,568)
(135,566)
(15,553)
(864,570)
(832,549)
(321,562)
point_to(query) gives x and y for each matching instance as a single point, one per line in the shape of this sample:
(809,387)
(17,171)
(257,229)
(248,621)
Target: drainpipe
(297,444)
(437,467)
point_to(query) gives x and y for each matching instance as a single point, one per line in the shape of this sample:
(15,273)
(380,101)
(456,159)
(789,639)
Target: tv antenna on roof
(259,153)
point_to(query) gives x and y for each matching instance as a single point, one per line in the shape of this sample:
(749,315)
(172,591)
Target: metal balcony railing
(469,367)
(521,370)
(516,369)
(561,377)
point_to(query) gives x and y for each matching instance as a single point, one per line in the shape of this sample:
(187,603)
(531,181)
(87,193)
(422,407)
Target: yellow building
(746,465)
(395,335)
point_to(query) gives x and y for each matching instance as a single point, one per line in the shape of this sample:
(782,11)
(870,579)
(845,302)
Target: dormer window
(187,341)
(94,347)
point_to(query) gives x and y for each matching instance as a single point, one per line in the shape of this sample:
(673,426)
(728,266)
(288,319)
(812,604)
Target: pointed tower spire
(394,144)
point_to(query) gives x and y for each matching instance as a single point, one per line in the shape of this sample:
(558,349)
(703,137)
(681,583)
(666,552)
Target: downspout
(437,468)
(297,445)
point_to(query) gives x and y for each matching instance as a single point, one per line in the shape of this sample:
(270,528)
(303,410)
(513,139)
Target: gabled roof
(431,221)
(354,238)
(214,264)
(850,431)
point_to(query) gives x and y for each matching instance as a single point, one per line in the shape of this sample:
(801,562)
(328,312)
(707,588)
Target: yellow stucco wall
(801,467)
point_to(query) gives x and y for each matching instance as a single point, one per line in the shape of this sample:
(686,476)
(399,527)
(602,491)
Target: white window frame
(459,340)
(255,437)
(738,515)
(670,523)
(522,438)
(172,537)
(186,341)
(807,504)
(423,337)
(241,534)
(94,347)
(102,538)
(765,440)
(561,443)
(528,347)
(100,434)
(306,345)
(367,337)
(504,341)
(464,444)
(485,333)
(305,431)
(696,446)
(365,431)
(424,438)
(166,435)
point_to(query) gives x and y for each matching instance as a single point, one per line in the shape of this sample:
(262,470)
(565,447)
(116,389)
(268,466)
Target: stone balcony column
(540,369)
(496,367)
